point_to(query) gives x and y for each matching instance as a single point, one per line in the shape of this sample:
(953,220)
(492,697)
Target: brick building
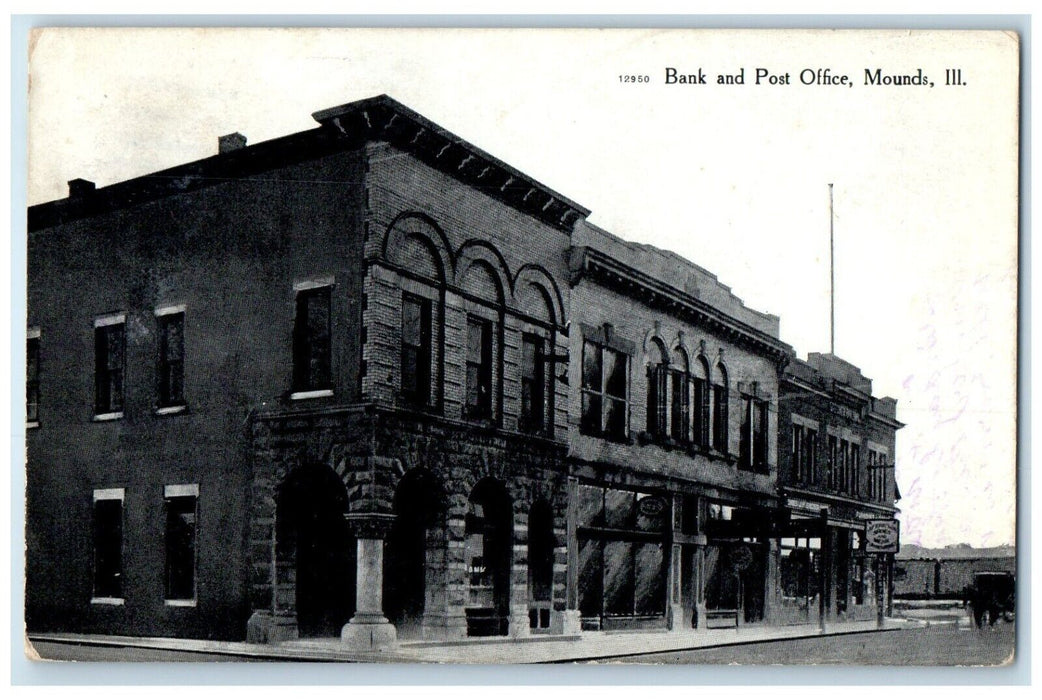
(369,381)
(672,445)
(836,449)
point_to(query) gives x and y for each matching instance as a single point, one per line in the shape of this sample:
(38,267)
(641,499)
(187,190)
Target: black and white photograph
(521,346)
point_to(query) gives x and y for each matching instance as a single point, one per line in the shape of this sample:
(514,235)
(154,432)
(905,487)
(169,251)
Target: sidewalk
(591,646)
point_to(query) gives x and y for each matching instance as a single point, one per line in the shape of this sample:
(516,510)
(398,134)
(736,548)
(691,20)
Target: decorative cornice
(384,119)
(592,263)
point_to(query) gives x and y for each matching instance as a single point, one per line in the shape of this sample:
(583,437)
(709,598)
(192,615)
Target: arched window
(720,425)
(700,416)
(680,396)
(537,376)
(484,351)
(658,396)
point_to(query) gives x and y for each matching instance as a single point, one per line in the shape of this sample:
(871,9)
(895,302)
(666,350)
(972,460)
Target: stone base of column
(369,632)
(571,622)
(519,625)
(701,624)
(264,627)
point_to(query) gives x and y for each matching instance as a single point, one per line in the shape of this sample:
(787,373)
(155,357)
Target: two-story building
(672,444)
(301,388)
(369,381)
(837,460)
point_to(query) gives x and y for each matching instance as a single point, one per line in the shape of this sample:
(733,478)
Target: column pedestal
(369,630)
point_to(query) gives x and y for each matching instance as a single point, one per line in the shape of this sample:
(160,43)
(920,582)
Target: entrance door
(489,550)
(312,540)
(419,518)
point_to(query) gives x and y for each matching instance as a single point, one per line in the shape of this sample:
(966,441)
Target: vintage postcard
(522,346)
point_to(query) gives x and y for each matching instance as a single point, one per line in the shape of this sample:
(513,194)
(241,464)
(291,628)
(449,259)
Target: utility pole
(832,278)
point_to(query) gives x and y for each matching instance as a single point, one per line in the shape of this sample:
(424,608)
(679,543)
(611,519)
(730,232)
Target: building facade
(837,453)
(369,381)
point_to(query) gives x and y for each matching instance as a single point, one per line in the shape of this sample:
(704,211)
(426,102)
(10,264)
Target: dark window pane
(591,577)
(479,368)
(311,340)
(171,360)
(618,578)
(590,506)
(679,407)
(615,373)
(619,508)
(416,358)
(720,427)
(744,453)
(108,548)
(180,547)
(108,368)
(650,579)
(615,418)
(32,379)
(591,366)
(532,383)
(591,416)
(700,412)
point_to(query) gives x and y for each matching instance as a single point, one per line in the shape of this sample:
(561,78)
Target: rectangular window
(312,348)
(810,456)
(32,377)
(171,370)
(833,475)
(745,453)
(605,406)
(720,418)
(479,368)
(533,381)
(108,546)
(109,352)
(796,460)
(416,357)
(759,434)
(180,502)
(679,402)
(855,469)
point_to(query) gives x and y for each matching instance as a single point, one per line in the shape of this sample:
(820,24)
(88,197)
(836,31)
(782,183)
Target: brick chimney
(80,188)
(230,142)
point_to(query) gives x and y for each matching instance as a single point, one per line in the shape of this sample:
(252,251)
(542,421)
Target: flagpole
(832,279)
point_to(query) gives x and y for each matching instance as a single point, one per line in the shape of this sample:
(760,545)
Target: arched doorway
(314,551)
(416,537)
(489,550)
(541,544)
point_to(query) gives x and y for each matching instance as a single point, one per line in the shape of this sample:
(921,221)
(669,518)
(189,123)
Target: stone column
(572,621)
(369,630)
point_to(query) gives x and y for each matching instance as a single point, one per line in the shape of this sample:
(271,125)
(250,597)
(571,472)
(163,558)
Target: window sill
(106,601)
(30,424)
(180,603)
(103,417)
(314,394)
(171,410)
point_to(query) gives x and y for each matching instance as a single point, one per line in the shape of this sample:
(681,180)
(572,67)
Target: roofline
(589,261)
(340,129)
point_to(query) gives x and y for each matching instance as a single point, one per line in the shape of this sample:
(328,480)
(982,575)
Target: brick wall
(230,253)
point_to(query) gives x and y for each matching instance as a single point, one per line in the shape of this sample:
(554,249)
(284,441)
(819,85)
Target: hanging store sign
(651,506)
(882,536)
